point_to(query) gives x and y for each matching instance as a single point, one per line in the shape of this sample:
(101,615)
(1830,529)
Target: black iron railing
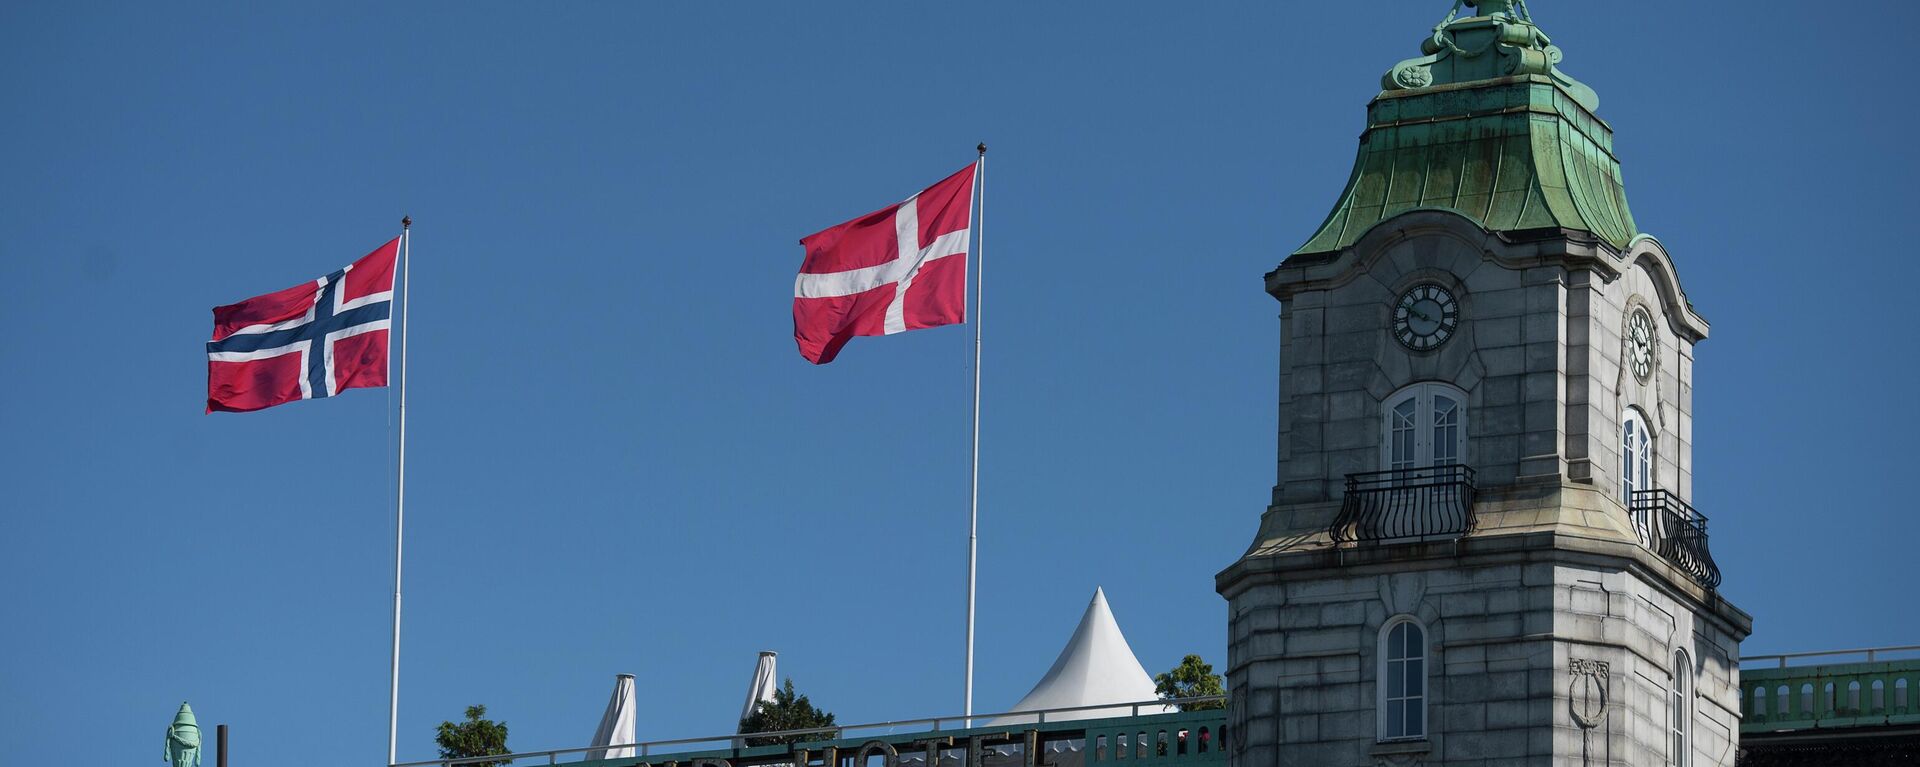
(1407,504)
(1673,530)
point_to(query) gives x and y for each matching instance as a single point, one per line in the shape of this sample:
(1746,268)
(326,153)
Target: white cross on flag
(886,272)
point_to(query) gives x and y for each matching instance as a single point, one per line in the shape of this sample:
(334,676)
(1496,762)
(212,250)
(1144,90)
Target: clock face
(1425,317)
(1640,346)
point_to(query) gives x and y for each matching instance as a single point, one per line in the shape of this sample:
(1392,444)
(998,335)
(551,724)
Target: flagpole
(400,503)
(973,511)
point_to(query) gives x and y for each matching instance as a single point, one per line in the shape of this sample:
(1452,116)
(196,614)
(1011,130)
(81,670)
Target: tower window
(1636,454)
(1426,426)
(1680,715)
(1403,680)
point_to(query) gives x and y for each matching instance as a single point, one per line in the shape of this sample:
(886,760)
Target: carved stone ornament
(1587,699)
(1587,692)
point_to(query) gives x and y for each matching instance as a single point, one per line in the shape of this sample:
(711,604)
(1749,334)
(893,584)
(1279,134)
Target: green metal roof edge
(1491,70)
(1555,171)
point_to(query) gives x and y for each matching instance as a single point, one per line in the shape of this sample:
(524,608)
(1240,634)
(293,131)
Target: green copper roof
(1487,126)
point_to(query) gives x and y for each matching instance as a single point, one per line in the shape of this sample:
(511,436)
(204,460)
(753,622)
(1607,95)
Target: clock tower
(1481,546)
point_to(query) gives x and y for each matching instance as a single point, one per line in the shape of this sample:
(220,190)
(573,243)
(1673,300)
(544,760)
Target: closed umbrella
(616,726)
(761,689)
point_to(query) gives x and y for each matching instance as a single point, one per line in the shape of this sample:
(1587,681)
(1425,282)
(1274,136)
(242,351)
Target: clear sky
(619,463)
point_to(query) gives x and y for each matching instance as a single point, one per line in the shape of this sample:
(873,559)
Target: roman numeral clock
(1425,317)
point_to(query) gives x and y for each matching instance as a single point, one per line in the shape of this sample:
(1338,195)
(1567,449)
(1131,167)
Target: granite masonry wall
(1538,353)
(1505,640)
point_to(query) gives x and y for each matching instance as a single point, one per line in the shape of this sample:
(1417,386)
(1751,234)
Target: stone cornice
(1304,556)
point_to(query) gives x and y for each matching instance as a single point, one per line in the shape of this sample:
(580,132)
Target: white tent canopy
(1096,667)
(616,726)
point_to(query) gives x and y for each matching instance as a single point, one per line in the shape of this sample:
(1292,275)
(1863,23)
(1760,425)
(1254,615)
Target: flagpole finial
(983,148)
(406,222)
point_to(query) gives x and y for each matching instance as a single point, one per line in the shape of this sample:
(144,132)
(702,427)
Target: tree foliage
(473,737)
(787,711)
(1193,678)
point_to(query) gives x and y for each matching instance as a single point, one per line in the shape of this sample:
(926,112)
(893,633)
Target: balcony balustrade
(1432,503)
(1673,530)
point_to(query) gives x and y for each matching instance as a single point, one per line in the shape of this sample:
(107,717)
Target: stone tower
(1481,547)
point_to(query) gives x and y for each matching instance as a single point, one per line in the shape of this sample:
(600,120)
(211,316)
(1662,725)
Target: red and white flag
(312,340)
(900,268)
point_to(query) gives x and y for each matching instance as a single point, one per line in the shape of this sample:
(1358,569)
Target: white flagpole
(973,511)
(400,504)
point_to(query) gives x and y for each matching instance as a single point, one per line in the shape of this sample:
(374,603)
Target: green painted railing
(1192,738)
(1187,739)
(1829,696)
(1179,739)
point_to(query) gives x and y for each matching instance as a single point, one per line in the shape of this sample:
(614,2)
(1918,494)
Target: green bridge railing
(1870,693)
(1034,739)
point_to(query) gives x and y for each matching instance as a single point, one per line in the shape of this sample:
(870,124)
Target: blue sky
(618,462)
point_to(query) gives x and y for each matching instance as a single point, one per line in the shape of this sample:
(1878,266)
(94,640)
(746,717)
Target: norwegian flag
(309,341)
(886,272)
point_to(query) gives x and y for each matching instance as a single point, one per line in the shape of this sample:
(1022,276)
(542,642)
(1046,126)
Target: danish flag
(886,272)
(312,340)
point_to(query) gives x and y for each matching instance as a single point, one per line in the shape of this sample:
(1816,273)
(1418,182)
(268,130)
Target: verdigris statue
(183,739)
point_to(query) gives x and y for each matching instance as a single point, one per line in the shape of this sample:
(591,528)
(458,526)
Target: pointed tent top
(1096,667)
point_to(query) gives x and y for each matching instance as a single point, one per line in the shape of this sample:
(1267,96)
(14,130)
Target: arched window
(1636,454)
(1403,680)
(1680,697)
(1426,426)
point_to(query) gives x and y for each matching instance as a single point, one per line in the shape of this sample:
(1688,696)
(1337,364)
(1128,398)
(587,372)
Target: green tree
(787,711)
(1193,678)
(473,737)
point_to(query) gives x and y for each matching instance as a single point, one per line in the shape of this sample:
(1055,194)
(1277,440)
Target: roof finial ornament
(1513,8)
(1458,51)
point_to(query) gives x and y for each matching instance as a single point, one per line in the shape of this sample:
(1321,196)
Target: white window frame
(1680,712)
(1639,443)
(1387,665)
(1428,447)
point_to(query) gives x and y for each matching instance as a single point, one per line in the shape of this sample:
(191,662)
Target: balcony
(1407,505)
(1673,530)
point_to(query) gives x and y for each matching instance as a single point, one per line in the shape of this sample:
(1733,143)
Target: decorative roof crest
(1498,40)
